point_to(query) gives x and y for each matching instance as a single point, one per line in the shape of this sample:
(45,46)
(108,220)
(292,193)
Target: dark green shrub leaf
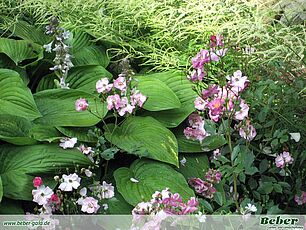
(151,176)
(145,137)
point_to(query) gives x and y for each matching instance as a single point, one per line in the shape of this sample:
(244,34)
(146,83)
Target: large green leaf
(15,130)
(47,133)
(58,108)
(196,165)
(15,97)
(26,31)
(83,134)
(144,177)
(82,78)
(160,96)
(19,165)
(90,55)
(117,205)
(21,50)
(145,137)
(183,90)
(80,40)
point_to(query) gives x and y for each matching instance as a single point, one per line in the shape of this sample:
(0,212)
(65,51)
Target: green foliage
(148,174)
(137,135)
(20,165)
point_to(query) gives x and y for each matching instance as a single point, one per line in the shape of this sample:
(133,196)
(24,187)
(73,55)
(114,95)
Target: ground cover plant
(103,115)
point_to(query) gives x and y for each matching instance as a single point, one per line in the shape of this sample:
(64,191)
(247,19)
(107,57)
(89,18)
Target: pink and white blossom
(70,182)
(42,194)
(247,132)
(90,205)
(120,83)
(243,112)
(137,99)
(300,200)
(81,104)
(107,190)
(103,86)
(113,101)
(283,159)
(200,104)
(238,82)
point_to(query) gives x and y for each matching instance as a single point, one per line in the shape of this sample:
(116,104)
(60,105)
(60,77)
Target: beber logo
(278,220)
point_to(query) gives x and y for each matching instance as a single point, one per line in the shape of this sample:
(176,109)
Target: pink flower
(279,161)
(90,205)
(300,200)
(195,133)
(216,40)
(201,58)
(81,104)
(215,109)
(120,83)
(247,132)
(213,176)
(113,101)
(210,92)
(200,104)
(243,112)
(215,55)
(216,154)
(283,159)
(54,202)
(37,181)
(195,120)
(197,75)
(103,86)
(137,99)
(42,194)
(238,82)
(287,157)
(127,109)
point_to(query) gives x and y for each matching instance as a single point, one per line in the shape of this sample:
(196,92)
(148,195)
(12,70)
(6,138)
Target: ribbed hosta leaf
(160,96)
(183,90)
(21,50)
(82,78)
(145,137)
(81,133)
(90,55)
(15,97)
(58,108)
(144,177)
(26,31)
(15,130)
(19,165)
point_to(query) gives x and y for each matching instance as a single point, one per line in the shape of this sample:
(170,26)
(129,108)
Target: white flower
(251,208)
(105,206)
(107,190)
(165,193)
(48,47)
(90,205)
(83,193)
(71,182)
(183,161)
(295,136)
(88,173)
(134,180)
(66,34)
(68,142)
(42,194)
(85,150)
(201,217)
(103,86)
(45,209)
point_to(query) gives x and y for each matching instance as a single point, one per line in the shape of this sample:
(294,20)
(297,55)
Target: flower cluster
(219,102)
(167,203)
(62,58)
(206,188)
(69,184)
(206,56)
(248,210)
(283,159)
(196,130)
(300,200)
(44,195)
(118,96)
